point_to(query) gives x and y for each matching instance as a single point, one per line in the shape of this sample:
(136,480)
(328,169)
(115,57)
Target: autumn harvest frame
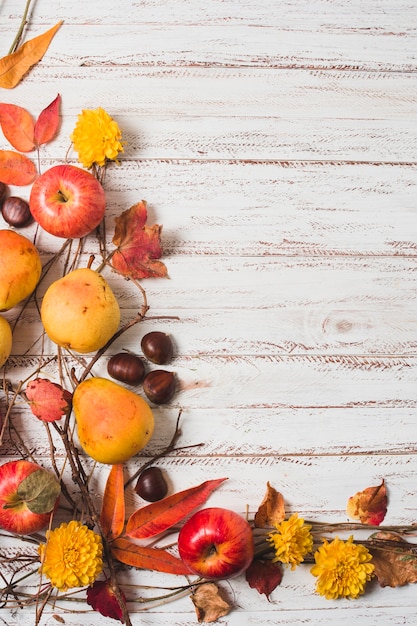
(109,539)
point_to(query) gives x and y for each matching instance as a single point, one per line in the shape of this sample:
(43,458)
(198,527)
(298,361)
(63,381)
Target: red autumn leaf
(264,576)
(48,401)
(138,245)
(369,505)
(18,126)
(47,123)
(144,557)
(101,597)
(112,516)
(16,169)
(157,517)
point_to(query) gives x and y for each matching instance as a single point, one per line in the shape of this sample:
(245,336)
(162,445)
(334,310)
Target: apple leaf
(264,576)
(16,168)
(271,510)
(101,597)
(112,516)
(138,245)
(157,517)
(145,557)
(394,559)
(48,401)
(39,491)
(369,505)
(47,123)
(18,126)
(15,65)
(209,603)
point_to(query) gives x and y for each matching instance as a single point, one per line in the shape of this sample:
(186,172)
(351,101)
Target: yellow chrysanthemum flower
(96,138)
(292,540)
(72,556)
(343,569)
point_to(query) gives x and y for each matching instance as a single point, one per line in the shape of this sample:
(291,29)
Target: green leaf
(39,491)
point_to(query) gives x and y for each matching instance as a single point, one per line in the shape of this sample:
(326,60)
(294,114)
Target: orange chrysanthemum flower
(292,540)
(343,568)
(96,138)
(71,556)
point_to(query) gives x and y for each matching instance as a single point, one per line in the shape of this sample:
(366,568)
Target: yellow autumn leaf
(14,66)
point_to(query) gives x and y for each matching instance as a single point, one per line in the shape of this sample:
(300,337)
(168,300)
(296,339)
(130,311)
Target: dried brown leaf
(271,510)
(369,506)
(395,559)
(209,603)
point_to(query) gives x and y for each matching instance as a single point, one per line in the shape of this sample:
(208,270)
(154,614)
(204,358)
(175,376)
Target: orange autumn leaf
(47,123)
(18,126)
(394,559)
(158,517)
(16,168)
(15,65)
(369,506)
(48,401)
(271,510)
(112,517)
(145,557)
(138,245)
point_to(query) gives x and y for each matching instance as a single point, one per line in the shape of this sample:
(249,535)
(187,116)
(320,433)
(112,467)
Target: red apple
(67,201)
(28,496)
(216,543)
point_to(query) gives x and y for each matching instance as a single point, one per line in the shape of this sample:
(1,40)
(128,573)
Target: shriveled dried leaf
(369,506)
(395,559)
(18,126)
(209,603)
(39,491)
(14,66)
(138,245)
(271,510)
(264,576)
(16,168)
(48,401)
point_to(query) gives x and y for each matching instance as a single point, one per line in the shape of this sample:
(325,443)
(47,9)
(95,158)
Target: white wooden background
(276,141)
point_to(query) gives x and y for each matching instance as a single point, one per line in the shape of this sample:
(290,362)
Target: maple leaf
(271,510)
(138,245)
(264,576)
(48,401)
(209,603)
(394,559)
(369,505)
(101,597)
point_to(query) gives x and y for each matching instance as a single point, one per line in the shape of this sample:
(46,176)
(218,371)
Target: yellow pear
(80,312)
(5,340)
(20,268)
(113,423)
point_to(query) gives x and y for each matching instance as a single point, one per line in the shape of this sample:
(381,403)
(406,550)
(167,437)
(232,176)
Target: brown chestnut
(159,386)
(157,347)
(16,212)
(126,367)
(151,485)
(4,190)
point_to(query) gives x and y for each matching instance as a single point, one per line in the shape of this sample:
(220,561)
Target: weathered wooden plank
(237,208)
(220,91)
(249,138)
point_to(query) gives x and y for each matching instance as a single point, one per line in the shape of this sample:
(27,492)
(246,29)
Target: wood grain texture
(276,143)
